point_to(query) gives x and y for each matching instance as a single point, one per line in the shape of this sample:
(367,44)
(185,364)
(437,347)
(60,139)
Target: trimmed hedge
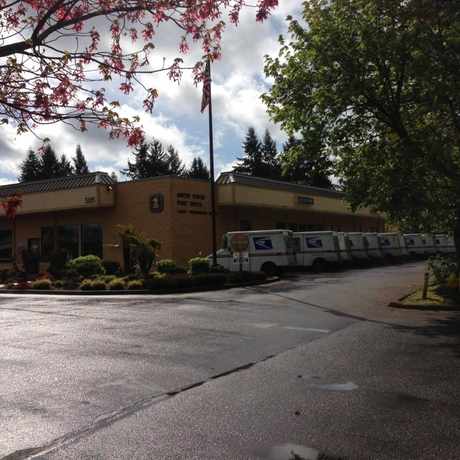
(166,266)
(158,283)
(116,284)
(135,285)
(43,284)
(198,265)
(93,285)
(87,266)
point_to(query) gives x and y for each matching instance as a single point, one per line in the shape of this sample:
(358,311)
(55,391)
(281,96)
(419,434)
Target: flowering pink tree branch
(57,56)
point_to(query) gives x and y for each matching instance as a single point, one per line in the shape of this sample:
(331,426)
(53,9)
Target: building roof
(245,179)
(61,183)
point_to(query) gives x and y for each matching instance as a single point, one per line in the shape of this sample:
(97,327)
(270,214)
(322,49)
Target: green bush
(441,268)
(135,285)
(111,267)
(71,274)
(43,284)
(92,285)
(117,284)
(198,265)
(87,266)
(218,269)
(106,278)
(58,284)
(166,266)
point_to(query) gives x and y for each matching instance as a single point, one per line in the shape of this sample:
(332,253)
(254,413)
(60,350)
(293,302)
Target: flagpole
(211,171)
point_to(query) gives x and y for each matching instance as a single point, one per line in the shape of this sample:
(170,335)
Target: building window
(47,242)
(245,225)
(91,240)
(6,245)
(69,240)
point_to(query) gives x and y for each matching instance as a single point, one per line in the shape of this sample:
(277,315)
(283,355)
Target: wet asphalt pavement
(314,363)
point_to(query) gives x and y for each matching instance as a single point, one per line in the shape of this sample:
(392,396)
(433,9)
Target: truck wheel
(269,268)
(319,265)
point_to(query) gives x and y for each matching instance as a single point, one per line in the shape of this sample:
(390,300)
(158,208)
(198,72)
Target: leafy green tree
(198,170)
(376,81)
(300,163)
(150,160)
(30,168)
(79,162)
(175,165)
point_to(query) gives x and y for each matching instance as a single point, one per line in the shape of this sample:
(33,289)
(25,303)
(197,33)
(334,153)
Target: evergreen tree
(50,165)
(175,164)
(64,167)
(303,164)
(30,168)
(150,160)
(198,170)
(79,162)
(114,176)
(270,161)
(252,162)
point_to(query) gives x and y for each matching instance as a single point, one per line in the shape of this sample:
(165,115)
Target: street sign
(239,242)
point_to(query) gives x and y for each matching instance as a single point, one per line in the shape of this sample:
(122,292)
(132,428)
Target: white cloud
(238,82)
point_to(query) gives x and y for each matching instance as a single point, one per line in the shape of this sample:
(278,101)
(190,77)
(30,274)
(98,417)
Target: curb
(137,292)
(424,306)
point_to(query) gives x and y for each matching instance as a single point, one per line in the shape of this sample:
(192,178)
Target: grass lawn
(437,296)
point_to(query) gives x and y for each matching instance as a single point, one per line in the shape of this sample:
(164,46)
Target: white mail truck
(258,250)
(357,245)
(317,249)
(373,246)
(390,244)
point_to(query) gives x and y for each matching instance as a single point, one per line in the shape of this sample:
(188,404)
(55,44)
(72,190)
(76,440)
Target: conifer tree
(30,168)
(175,164)
(150,160)
(79,162)
(270,161)
(198,169)
(252,162)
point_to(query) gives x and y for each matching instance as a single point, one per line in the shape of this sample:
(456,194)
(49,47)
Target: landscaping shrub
(441,268)
(111,267)
(58,284)
(92,285)
(6,275)
(135,285)
(71,274)
(198,265)
(43,284)
(218,269)
(106,278)
(166,266)
(117,284)
(87,266)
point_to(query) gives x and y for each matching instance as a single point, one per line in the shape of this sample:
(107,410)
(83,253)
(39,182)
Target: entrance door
(32,261)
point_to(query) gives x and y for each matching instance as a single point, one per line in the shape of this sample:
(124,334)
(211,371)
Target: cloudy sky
(238,82)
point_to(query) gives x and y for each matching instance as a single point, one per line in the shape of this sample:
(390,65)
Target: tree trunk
(457,239)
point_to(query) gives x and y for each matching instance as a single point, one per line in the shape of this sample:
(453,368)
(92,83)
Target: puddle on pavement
(291,452)
(348,386)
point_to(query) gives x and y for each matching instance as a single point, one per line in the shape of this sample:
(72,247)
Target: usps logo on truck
(313,242)
(263,243)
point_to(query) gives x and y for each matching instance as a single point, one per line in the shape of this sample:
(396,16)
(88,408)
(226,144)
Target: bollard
(425,286)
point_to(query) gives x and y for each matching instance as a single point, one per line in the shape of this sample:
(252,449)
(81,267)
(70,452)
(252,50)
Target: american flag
(206,97)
